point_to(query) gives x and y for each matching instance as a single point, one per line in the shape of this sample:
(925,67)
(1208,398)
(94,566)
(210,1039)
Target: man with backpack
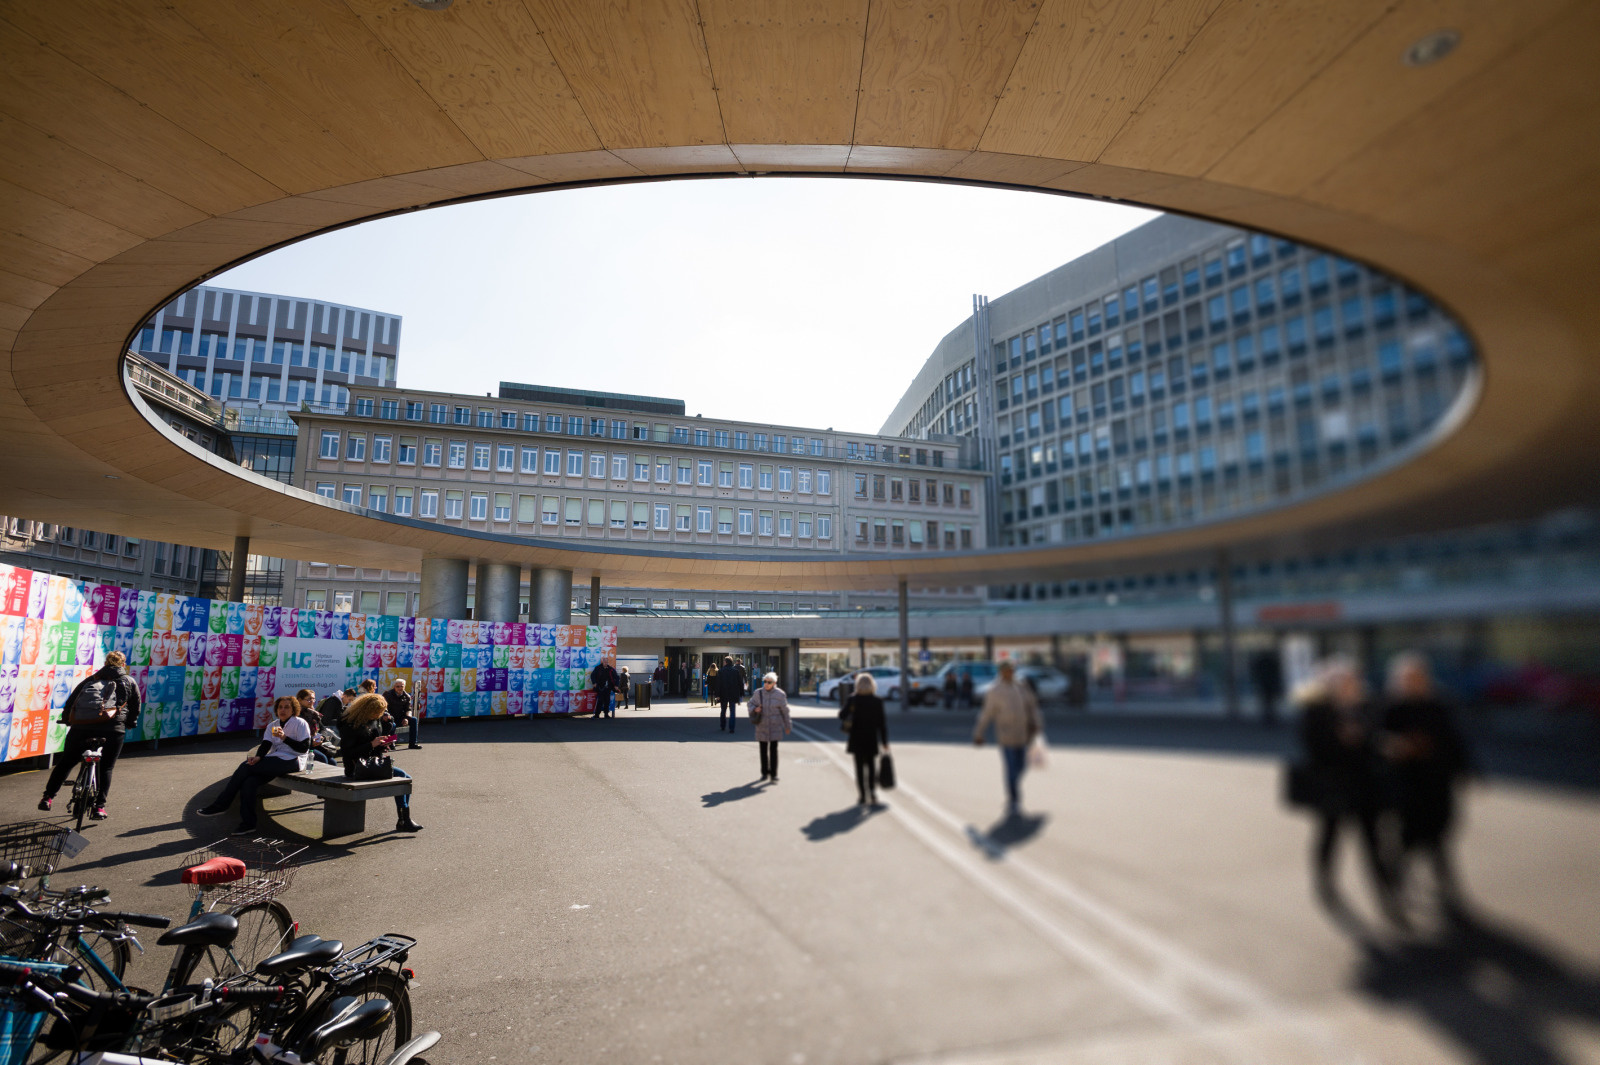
(98,713)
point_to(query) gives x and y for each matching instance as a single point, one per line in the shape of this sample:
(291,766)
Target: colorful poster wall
(205,666)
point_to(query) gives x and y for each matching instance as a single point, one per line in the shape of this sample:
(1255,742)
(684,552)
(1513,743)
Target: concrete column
(1230,680)
(552,597)
(861,646)
(442,591)
(241,561)
(499,594)
(791,672)
(905,651)
(1055,649)
(594,599)
(988,648)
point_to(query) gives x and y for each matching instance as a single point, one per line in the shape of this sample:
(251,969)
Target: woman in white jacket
(773,706)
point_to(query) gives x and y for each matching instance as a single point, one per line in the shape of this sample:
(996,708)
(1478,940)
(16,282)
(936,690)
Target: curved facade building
(1183,372)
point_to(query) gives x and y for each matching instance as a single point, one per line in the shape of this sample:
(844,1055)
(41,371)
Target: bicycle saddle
(207,930)
(216,871)
(304,953)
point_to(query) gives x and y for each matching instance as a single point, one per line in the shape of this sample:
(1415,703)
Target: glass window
(330,445)
(663,471)
(725,520)
(550,510)
(530,460)
(663,515)
(452,505)
(485,418)
(746,475)
(746,522)
(825,479)
(480,456)
(429,506)
(685,471)
(380,448)
(802,480)
(802,526)
(785,479)
(458,455)
(378,498)
(352,494)
(597,466)
(764,479)
(402,502)
(480,506)
(619,514)
(552,462)
(502,506)
(824,527)
(722,437)
(725,475)
(703,519)
(703,476)
(325,488)
(685,518)
(619,467)
(574,464)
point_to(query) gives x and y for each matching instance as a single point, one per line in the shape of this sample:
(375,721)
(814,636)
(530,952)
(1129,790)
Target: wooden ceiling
(144,147)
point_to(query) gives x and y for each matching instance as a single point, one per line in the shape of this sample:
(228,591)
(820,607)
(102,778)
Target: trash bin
(641,695)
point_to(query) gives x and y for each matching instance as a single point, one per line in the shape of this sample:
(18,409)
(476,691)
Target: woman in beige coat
(773,705)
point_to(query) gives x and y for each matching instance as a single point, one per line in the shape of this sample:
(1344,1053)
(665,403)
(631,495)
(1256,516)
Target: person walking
(1429,757)
(1337,735)
(604,680)
(624,686)
(658,681)
(398,700)
(283,745)
(864,719)
(730,689)
(98,713)
(362,735)
(1014,713)
(952,688)
(966,689)
(769,710)
(709,684)
(1266,673)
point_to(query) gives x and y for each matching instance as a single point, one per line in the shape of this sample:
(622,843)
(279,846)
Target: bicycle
(246,883)
(85,794)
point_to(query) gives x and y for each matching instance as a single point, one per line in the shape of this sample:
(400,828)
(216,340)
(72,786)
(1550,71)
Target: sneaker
(44,803)
(212,811)
(98,813)
(244,830)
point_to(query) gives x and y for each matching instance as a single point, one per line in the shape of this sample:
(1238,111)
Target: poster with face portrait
(204,666)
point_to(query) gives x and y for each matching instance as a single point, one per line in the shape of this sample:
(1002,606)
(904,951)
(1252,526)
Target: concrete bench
(344,801)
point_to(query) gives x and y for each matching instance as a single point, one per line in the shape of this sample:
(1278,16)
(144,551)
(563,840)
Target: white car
(838,689)
(1046,682)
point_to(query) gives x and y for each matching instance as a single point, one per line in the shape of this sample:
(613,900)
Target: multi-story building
(277,352)
(548,462)
(1184,372)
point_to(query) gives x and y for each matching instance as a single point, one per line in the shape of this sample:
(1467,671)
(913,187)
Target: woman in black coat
(1336,730)
(869,729)
(363,734)
(1428,756)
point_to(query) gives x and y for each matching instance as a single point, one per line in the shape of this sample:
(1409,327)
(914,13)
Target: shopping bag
(886,773)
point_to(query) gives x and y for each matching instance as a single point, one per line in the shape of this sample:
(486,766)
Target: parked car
(838,689)
(1046,682)
(931,687)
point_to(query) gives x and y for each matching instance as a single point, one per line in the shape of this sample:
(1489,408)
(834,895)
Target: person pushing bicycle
(98,713)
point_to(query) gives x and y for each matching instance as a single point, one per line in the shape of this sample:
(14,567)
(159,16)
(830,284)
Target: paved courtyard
(627,891)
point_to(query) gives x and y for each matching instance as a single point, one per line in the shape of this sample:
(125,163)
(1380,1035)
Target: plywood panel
(487,67)
(1367,90)
(639,69)
(1086,66)
(1247,59)
(934,69)
(574,166)
(162,61)
(780,157)
(41,262)
(786,71)
(32,216)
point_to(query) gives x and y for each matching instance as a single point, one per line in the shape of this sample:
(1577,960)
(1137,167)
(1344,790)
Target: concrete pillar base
(499,592)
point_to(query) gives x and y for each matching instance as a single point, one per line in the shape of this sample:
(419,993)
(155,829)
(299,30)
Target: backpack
(97,703)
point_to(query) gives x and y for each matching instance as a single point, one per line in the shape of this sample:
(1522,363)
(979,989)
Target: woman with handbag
(364,748)
(868,725)
(284,749)
(769,711)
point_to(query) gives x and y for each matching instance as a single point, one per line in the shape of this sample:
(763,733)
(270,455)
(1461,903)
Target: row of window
(466,505)
(902,490)
(618,429)
(264,388)
(84,539)
(913,533)
(554,462)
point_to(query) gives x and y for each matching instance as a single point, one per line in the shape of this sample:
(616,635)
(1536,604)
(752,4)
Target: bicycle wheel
(380,983)
(264,930)
(82,795)
(114,953)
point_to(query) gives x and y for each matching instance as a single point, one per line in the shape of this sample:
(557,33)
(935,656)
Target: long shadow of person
(743,791)
(840,821)
(1010,831)
(1496,993)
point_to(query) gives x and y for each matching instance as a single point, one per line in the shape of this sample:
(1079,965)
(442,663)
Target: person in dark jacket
(362,734)
(869,731)
(730,689)
(106,734)
(1338,735)
(604,679)
(283,743)
(1428,756)
(398,701)
(1266,673)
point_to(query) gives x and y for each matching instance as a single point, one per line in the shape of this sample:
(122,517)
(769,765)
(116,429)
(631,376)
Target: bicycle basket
(34,845)
(270,865)
(21,1019)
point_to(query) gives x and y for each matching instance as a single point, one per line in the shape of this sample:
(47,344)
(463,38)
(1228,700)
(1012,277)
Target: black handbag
(755,711)
(1302,785)
(847,715)
(371,768)
(886,773)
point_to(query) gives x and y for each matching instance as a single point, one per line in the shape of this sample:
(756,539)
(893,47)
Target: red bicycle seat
(216,871)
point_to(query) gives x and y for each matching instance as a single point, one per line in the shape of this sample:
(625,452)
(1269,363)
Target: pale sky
(800,301)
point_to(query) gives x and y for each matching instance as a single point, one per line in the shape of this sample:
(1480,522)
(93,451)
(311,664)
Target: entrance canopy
(147,147)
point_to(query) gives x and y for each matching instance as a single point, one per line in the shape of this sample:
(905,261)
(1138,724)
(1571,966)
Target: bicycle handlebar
(83,916)
(143,920)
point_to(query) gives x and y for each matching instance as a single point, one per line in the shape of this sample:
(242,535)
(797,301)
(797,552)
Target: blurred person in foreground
(1337,730)
(863,718)
(1428,756)
(1014,712)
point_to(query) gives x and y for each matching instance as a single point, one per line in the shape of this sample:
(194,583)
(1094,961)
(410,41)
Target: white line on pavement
(1154,992)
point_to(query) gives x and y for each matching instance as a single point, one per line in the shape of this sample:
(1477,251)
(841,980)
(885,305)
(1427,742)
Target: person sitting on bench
(362,735)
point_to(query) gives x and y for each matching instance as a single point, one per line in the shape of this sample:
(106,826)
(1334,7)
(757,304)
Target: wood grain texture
(934,70)
(786,70)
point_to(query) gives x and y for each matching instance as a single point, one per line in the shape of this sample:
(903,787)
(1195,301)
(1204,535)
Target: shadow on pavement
(1496,993)
(837,823)
(1013,830)
(743,791)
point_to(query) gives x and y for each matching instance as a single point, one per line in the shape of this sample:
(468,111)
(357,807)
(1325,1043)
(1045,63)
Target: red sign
(1291,613)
